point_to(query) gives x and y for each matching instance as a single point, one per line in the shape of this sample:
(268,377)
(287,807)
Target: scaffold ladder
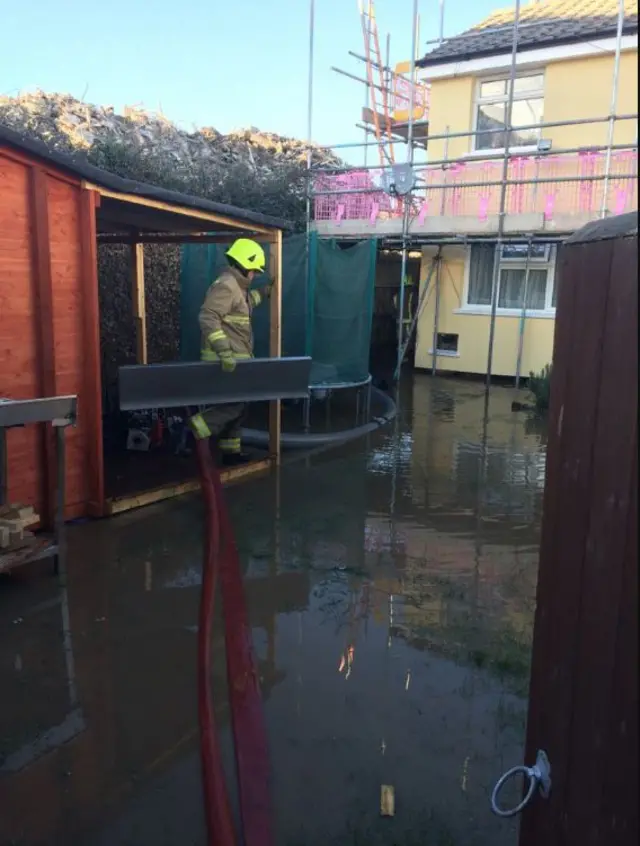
(378,83)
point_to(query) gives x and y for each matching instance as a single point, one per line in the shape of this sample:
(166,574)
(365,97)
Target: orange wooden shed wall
(49,332)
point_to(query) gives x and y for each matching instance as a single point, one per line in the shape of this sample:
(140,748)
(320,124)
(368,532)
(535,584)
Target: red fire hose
(221,561)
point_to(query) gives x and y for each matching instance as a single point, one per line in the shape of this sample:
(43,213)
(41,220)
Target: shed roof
(548,23)
(617,226)
(155,209)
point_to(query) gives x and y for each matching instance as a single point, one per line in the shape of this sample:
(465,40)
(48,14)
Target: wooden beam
(136,268)
(117,505)
(169,238)
(198,214)
(90,406)
(275,341)
(143,219)
(43,316)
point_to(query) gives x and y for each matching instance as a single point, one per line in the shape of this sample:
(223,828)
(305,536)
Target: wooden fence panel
(604,549)
(583,676)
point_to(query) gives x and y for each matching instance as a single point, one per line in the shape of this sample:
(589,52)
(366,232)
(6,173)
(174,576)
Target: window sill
(549,314)
(498,154)
(444,353)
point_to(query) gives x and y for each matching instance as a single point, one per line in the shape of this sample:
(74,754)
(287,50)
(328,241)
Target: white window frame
(535,93)
(549,264)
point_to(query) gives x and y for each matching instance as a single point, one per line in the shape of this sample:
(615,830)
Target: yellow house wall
(451,110)
(473,329)
(581,88)
(574,89)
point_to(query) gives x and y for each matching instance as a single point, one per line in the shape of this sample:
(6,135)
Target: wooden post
(43,295)
(137,298)
(275,339)
(91,400)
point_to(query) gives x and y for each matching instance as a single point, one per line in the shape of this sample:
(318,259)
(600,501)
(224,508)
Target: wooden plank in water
(118,505)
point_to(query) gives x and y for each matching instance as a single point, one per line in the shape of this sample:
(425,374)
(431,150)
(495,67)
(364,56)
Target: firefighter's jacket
(225,317)
(407,317)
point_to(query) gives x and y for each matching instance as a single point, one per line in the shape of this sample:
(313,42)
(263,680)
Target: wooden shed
(52,212)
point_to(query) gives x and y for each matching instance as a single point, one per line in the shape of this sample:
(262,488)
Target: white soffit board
(527,58)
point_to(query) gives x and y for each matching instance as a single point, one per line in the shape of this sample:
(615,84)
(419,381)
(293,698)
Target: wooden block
(17,511)
(387,801)
(17,522)
(25,512)
(31,520)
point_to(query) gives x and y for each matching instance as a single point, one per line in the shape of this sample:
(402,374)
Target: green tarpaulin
(328,318)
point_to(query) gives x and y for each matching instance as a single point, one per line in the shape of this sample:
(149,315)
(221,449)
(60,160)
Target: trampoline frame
(362,386)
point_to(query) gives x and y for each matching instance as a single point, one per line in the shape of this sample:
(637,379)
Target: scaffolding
(404,183)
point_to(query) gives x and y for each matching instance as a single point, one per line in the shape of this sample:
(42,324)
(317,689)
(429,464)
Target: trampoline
(311,440)
(324,383)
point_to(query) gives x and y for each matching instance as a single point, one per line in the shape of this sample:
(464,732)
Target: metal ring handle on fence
(539,780)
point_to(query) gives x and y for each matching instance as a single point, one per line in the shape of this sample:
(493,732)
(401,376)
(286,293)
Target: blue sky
(212,63)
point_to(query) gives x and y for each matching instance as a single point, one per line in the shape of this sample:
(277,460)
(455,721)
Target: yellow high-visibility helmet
(248,254)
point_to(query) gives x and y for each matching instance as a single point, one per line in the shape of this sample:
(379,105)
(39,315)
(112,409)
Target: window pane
(526,113)
(493,116)
(447,342)
(536,292)
(514,251)
(519,251)
(490,117)
(481,274)
(493,89)
(512,283)
(540,251)
(511,289)
(523,84)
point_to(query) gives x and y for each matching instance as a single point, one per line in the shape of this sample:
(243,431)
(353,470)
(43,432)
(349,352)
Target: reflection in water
(16,759)
(390,587)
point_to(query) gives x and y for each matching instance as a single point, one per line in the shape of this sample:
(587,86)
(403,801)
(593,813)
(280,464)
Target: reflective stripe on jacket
(407,317)
(225,317)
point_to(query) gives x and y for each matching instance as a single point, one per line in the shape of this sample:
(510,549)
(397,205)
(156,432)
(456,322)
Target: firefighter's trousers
(225,423)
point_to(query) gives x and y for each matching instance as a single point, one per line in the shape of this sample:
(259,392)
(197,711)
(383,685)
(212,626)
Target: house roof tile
(543,24)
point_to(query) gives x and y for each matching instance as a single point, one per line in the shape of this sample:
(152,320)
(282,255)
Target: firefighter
(407,317)
(225,325)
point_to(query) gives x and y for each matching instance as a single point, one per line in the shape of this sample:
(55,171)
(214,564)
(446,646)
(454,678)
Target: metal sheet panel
(41,410)
(181,384)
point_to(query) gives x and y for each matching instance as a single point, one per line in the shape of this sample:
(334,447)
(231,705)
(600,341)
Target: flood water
(391,589)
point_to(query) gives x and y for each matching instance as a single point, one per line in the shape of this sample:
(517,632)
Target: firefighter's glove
(227,361)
